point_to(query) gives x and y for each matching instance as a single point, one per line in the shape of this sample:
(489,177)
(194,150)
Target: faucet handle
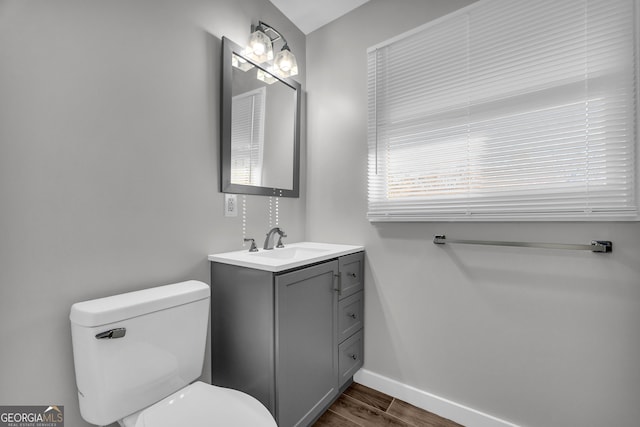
(253,247)
(281,235)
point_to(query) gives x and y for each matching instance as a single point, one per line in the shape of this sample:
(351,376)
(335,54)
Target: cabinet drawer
(350,315)
(351,274)
(350,357)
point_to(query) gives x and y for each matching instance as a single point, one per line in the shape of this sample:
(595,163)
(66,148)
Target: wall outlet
(230,205)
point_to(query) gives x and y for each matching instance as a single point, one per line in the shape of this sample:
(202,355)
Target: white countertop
(293,255)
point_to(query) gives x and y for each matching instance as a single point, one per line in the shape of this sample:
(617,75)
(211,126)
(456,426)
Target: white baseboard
(438,405)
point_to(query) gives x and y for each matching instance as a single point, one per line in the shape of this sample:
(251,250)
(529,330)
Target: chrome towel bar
(595,246)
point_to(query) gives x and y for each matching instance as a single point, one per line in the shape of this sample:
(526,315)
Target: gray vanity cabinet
(291,339)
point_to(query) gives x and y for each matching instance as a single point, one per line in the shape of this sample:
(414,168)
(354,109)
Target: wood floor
(361,406)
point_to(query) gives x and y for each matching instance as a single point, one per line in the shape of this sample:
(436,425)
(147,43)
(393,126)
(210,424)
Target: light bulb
(258,48)
(285,65)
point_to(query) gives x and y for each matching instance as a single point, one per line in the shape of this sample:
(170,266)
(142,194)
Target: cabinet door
(307,347)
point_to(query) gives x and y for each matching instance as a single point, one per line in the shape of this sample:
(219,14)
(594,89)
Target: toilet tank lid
(116,308)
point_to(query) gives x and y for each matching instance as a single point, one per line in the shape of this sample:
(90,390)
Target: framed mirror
(260,128)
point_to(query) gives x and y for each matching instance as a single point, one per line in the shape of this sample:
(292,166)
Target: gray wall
(109,132)
(539,338)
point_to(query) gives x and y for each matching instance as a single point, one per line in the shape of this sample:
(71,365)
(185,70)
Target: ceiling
(309,15)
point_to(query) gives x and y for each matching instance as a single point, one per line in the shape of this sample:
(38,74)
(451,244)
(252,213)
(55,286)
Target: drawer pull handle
(350,274)
(352,315)
(354,356)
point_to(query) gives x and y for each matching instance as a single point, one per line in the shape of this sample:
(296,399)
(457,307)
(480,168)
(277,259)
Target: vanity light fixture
(266,76)
(240,63)
(285,62)
(260,46)
(260,49)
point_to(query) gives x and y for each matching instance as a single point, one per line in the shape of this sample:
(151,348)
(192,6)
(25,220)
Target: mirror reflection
(262,125)
(260,145)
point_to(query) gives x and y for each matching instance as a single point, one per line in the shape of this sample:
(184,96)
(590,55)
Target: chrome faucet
(268,242)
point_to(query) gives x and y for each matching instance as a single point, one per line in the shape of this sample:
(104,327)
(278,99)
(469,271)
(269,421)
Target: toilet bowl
(137,355)
(201,404)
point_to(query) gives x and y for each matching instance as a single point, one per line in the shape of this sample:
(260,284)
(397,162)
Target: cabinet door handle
(353,356)
(351,274)
(338,278)
(352,315)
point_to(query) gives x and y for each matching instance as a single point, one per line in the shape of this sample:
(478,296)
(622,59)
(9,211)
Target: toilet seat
(201,404)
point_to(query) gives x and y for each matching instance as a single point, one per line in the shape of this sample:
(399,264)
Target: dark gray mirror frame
(228,49)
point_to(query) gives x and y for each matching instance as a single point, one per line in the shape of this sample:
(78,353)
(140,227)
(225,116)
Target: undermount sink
(291,256)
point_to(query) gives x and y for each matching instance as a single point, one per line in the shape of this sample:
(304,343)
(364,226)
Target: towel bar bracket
(605,246)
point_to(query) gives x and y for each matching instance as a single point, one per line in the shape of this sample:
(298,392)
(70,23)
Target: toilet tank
(133,349)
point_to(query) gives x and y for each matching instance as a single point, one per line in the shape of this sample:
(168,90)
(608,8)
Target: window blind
(507,110)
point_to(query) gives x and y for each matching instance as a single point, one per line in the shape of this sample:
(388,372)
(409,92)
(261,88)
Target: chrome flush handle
(112,333)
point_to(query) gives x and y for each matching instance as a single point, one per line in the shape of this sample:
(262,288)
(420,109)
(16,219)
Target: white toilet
(137,354)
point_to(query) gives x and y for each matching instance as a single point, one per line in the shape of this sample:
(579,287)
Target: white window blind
(507,110)
(247,137)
